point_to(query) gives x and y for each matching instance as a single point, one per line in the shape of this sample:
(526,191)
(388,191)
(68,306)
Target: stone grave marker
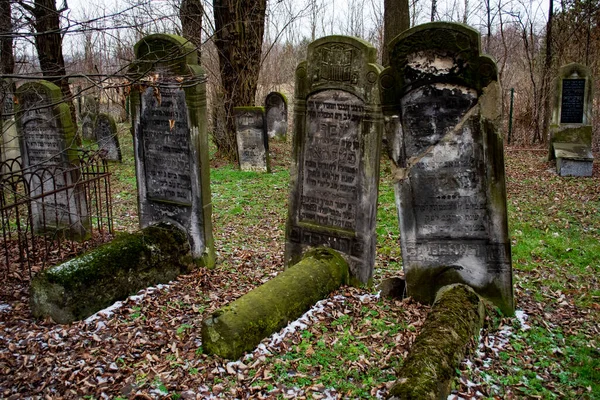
(89,113)
(276,114)
(49,150)
(444,97)
(171,141)
(105,131)
(336,148)
(571,124)
(9,143)
(252,140)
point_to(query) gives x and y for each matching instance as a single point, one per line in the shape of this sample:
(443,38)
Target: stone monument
(252,140)
(570,135)
(49,151)
(9,143)
(444,98)
(276,114)
(105,131)
(89,113)
(168,108)
(336,149)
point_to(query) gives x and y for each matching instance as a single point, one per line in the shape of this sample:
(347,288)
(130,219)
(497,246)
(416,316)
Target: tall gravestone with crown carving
(170,140)
(444,97)
(336,149)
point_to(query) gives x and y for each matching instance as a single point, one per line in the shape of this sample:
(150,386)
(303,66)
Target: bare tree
(190,14)
(396,19)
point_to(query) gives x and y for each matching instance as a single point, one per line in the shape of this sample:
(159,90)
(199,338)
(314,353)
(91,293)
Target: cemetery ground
(350,344)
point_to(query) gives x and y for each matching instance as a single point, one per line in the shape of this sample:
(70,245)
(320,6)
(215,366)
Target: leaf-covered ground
(350,344)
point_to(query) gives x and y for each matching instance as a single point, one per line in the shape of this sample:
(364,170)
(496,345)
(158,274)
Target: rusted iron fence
(52,213)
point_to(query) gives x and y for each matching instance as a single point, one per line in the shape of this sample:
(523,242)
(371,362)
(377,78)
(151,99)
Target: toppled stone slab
(455,318)
(78,288)
(573,159)
(241,325)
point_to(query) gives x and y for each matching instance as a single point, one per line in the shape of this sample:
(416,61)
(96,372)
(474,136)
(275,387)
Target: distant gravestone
(47,139)
(252,141)
(276,115)
(9,142)
(90,110)
(336,149)
(105,132)
(170,139)
(571,124)
(444,98)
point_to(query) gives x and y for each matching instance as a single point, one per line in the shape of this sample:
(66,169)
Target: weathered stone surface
(276,115)
(89,111)
(105,132)
(80,287)
(47,140)
(443,97)
(252,140)
(573,159)
(393,287)
(241,325)
(455,319)
(170,140)
(571,120)
(9,142)
(336,149)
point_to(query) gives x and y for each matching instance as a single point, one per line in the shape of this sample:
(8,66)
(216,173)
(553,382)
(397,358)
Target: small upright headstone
(252,141)
(276,115)
(336,149)
(571,124)
(88,116)
(9,142)
(443,97)
(105,132)
(170,139)
(47,139)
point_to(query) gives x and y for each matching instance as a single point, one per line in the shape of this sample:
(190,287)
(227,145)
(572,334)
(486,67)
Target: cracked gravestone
(105,131)
(49,150)
(276,115)
(336,149)
(168,108)
(443,98)
(570,134)
(251,138)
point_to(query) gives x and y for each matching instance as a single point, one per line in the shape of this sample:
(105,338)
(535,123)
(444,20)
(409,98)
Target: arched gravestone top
(443,100)
(168,108)
(105,131)
(276,109)
(335,153)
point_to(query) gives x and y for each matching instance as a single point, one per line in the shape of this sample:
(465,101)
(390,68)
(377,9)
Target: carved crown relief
(335,63)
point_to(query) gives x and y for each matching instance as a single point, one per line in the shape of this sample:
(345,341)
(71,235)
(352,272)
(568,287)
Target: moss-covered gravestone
(251,138)
(9,142)
(49,150)
(90,110)
(105,131)
(276,115)
(336,149)
(168,108)
(571,125)
(450,190)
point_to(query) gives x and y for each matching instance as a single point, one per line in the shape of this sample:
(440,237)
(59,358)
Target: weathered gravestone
(252,141)
(105,131)
(571,124)
(170,139)
(49,151)
(89,113)
(276,115)
(336,149)
(9,142)
(450,189)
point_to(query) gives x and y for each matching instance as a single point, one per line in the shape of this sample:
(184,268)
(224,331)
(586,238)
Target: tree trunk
(546,72)
(48,43)
(7,59)
(396,19)
(239,27)
(190,14)
(433,9)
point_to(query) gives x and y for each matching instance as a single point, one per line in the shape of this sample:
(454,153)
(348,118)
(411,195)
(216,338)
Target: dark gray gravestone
(276,115)
(336,149)
(570,133)
(9,142)
(105,132)
(252,140)
(450,189)
(49,151)
(88,116)
(170,139)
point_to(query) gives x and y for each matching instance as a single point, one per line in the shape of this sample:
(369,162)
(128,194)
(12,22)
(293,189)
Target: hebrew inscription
(571,111)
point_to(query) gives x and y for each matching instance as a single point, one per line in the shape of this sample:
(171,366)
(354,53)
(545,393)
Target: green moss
(454,320)
(249,108)
(241,325)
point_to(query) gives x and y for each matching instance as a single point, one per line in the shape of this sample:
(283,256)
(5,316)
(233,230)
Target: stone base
(573,159)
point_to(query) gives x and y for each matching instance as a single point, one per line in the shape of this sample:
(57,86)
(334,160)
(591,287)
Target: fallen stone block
(86,284)
(242,324)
